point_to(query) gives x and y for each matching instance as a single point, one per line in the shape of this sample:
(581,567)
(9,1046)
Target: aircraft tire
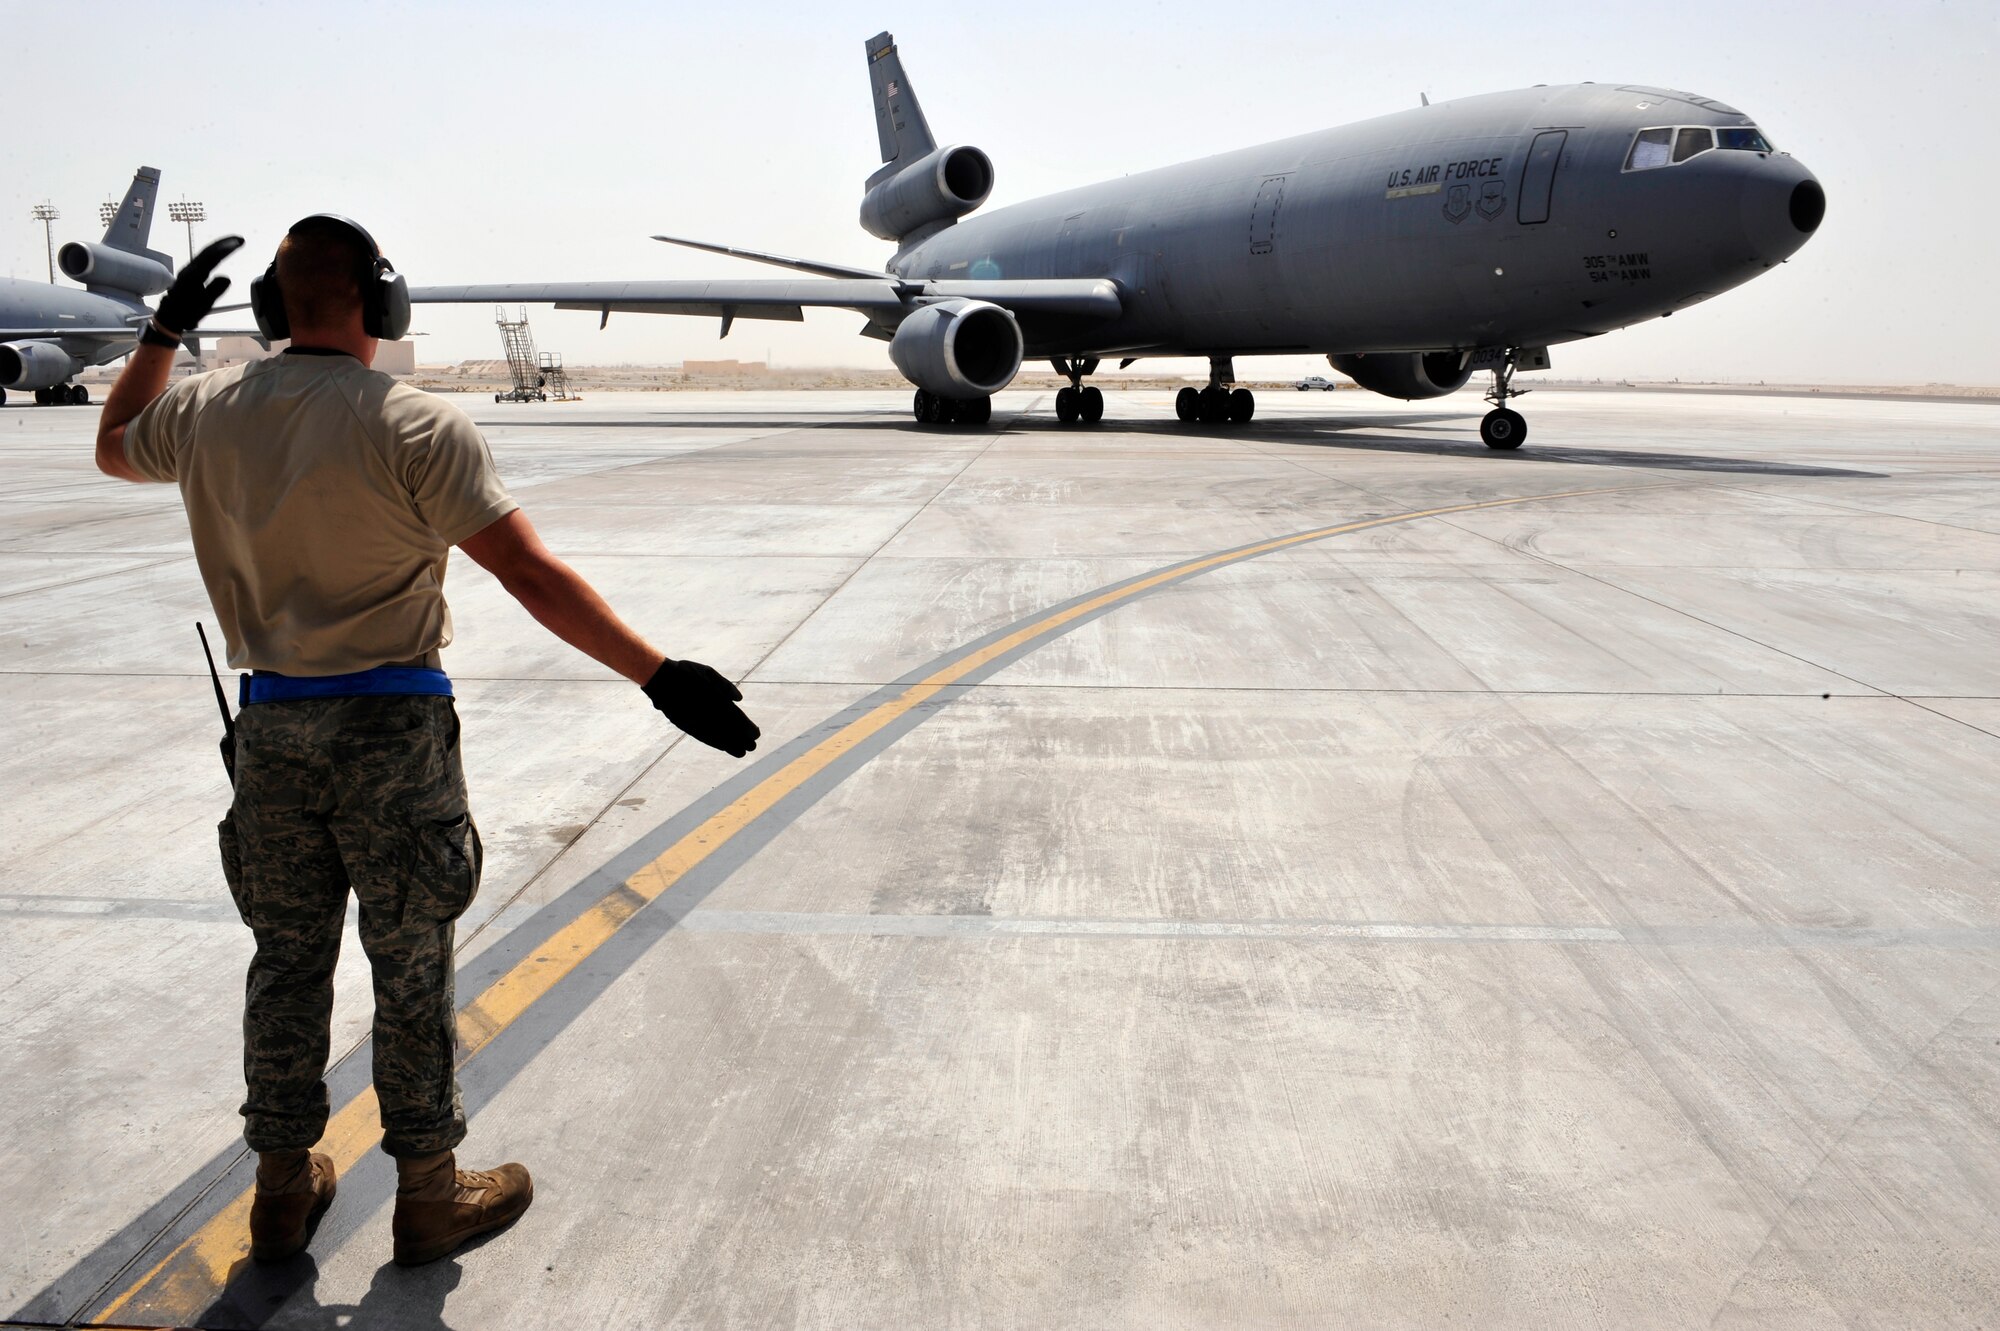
(1503,429)
(1187,405)
(1091,404)
(41,397)
(1214,406)
(1242,406)
(3,397)
(1067,407)
(917,405)
(976,412)
(79,396)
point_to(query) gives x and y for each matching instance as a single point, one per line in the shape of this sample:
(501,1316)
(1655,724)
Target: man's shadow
(283,1294)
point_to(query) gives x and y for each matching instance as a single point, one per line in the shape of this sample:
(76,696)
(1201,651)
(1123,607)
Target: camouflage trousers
(334,794)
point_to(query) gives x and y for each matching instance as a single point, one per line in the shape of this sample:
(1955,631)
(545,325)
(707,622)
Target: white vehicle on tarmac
(1314,381)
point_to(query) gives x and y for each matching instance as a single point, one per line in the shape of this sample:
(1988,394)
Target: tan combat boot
(293,1188)
(439,1206)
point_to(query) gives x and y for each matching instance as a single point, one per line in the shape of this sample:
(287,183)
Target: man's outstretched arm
(691,695)
(558,597)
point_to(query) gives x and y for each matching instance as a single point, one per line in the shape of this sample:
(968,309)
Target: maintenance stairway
(538,377)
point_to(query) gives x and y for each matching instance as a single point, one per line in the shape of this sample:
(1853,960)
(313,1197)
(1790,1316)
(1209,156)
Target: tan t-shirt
(324,499)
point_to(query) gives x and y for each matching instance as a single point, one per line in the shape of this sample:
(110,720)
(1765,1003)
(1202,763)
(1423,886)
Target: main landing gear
(932,409)
(1217,404)
(1077,403)
(1502,427)
(62,395)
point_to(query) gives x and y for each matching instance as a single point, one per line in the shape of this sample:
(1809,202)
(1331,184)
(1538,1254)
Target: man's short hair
(321,266)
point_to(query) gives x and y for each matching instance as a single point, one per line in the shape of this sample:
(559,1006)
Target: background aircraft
(1413,249)
(50,332)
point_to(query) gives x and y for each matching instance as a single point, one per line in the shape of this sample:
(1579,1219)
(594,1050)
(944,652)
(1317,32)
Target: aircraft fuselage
(1513,219)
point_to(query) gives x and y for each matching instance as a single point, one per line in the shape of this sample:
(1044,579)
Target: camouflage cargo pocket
(231,846)
(448,863)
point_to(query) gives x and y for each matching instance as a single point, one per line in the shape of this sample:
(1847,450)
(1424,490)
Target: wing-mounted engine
(1410,375)
(959,349)
(935,190)
(100,267)
(35,364)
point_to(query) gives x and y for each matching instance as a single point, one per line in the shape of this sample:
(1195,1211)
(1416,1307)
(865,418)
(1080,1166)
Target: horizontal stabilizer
(45,334)
(780,260)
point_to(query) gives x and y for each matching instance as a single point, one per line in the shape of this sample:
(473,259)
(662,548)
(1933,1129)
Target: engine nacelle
(1410,375)
(35,365)
(941,187)
(958,349)
(102,266)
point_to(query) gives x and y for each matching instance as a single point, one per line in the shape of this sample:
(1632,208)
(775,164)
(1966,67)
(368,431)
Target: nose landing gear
(1078,403)
(1503,428)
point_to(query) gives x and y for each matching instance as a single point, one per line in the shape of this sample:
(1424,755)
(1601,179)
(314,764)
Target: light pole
(189,212)
(107,213)
(46,215)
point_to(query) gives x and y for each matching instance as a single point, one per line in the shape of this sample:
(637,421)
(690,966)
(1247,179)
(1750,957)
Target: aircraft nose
(1783,204)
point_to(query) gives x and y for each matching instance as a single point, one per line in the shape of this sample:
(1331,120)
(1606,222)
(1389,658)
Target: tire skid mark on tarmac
(531,984)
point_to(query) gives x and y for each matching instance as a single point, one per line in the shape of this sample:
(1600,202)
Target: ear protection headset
(385,296)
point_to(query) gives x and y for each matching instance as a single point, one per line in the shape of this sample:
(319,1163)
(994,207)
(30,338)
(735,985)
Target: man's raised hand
(193,295)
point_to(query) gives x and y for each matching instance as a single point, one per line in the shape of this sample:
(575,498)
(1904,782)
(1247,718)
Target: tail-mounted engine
(942,186)
(98,266)
(1410,375)
(35,365)
(959,349)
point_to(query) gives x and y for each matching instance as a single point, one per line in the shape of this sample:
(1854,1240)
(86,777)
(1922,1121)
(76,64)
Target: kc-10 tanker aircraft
(49,332)
(1412,250)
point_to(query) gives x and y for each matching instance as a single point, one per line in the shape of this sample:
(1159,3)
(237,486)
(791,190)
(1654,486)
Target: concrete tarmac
(1318,873)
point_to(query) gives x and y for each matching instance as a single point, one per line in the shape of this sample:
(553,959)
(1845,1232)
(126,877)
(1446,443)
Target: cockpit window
(1650,149)
(1691,141)
(1671,145)
(1742,140)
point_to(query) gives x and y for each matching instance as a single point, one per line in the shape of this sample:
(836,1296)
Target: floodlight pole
(46,215)
(107,212)
(190,212)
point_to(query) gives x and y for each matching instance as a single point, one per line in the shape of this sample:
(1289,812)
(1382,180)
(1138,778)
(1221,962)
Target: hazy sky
(517,142)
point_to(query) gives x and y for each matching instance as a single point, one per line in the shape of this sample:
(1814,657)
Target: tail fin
(899,120)
(133,225)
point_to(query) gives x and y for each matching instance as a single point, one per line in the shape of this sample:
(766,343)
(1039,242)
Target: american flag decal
(892,88)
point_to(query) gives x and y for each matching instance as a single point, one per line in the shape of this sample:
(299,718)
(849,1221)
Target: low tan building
(396,358)
(708,368)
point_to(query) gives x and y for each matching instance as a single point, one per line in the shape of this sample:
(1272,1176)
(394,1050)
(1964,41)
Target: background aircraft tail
(899,120)
(133,226)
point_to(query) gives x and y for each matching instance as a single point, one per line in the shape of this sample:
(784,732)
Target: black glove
(192,295)
(703,703)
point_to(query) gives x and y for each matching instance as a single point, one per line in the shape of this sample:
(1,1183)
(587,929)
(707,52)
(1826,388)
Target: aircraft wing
(786,299)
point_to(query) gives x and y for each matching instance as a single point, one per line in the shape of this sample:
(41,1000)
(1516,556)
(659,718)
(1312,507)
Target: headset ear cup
(267,304)
(392,307)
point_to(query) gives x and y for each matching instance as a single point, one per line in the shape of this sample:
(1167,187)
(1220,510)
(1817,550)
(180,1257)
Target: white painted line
(1748,934)
(985,926)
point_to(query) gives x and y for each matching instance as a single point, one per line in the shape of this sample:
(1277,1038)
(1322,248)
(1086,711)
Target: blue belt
(382,681)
